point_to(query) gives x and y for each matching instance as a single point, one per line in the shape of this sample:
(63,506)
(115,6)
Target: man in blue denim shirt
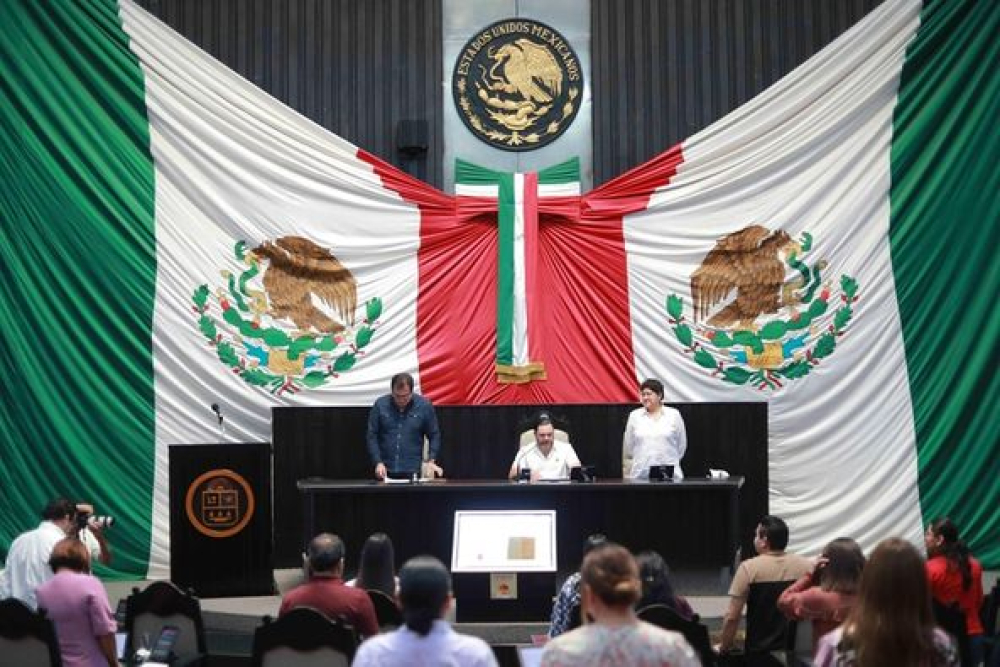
(397,425)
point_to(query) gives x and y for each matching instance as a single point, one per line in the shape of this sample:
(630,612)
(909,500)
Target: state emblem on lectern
(219,503)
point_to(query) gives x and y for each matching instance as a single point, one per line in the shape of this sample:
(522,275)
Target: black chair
(991,622)
(303,637)
(951,619)
(386,611)
(162,603)
(27,637)
(770,636)
(693,630)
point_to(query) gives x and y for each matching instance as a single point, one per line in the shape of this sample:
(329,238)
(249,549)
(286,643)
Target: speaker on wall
(411,137)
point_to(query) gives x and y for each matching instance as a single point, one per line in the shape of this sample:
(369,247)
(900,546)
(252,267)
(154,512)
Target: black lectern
(220,519)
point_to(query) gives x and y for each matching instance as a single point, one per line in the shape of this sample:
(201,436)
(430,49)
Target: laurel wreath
(343,348)
(710,348)
(514,138)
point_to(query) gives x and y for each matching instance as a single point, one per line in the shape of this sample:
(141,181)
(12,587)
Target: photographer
(28,559)
(90,530)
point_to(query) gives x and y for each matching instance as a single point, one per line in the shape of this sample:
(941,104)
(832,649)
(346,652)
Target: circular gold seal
(219,503)
(517,84)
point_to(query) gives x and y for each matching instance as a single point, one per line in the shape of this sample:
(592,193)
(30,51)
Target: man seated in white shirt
(546,457)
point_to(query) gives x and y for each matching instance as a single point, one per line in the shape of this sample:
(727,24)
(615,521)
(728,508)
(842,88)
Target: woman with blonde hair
(891,622)
(612,634)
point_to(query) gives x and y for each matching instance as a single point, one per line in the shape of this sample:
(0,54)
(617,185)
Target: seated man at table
(546,457)
(326,592)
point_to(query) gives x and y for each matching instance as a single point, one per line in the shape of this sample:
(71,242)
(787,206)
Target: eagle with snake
(745,271)
(299,270)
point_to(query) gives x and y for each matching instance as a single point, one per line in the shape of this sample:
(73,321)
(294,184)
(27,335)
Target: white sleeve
(628,439)
(93,546)
(682,438)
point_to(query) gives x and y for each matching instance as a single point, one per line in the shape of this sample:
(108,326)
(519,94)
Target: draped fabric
(79,265)
(945,229)
(149,193)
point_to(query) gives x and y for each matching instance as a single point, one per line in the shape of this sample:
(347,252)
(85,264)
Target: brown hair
(70,554)
(845,562)
(612,574)
(892,624)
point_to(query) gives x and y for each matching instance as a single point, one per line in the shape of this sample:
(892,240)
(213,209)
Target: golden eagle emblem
(288,281)
(517,84)
(298,270)
(521,84)
(745,270)
(752,326)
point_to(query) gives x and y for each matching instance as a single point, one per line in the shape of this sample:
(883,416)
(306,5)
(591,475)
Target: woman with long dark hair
(377,569)
(826,594)
(656,587)
(891,622)
(956,578)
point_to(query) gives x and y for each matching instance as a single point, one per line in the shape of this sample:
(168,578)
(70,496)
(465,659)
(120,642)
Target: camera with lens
(86,519)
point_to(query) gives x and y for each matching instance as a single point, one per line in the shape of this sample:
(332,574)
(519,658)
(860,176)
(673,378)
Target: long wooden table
(691,523)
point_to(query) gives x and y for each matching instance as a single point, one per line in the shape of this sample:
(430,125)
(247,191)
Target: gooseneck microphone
(218,412)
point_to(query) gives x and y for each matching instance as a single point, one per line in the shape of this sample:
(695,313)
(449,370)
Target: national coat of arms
(297,326)
(517,84)
(762,315)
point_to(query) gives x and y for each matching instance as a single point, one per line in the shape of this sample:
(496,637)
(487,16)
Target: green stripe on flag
(78,254)
(945,231)
(565,172)
(505,269)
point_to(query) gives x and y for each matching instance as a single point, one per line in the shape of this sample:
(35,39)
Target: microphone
(218,412)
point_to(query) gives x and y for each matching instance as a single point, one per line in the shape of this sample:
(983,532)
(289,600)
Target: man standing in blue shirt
(397,425)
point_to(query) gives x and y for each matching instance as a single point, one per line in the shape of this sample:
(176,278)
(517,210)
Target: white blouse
(652,442)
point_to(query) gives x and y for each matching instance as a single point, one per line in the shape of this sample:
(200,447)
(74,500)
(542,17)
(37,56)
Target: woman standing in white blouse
(654,434)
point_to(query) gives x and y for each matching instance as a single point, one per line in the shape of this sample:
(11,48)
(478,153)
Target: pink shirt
(79,608)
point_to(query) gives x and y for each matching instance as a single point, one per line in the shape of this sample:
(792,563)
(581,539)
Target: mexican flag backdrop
(154,207)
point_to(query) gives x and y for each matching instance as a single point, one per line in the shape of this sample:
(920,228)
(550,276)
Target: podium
(503,565)
(220,519)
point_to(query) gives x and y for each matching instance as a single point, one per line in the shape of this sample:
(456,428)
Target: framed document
(504,541)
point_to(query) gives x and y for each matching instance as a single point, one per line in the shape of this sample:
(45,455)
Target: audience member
(78,605)
(771,564)
(377,567)
(28,558)
(325,590)
(425,639)
(656,587)
(827,593)
(546,457)
(568,598)
(613,634)
(891,622)
(956,578)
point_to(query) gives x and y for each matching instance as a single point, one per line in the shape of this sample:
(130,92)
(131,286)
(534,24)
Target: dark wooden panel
(688,522)
(479,442)
(355,68)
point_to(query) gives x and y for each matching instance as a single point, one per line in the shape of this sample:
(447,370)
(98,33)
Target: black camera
(86,519)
